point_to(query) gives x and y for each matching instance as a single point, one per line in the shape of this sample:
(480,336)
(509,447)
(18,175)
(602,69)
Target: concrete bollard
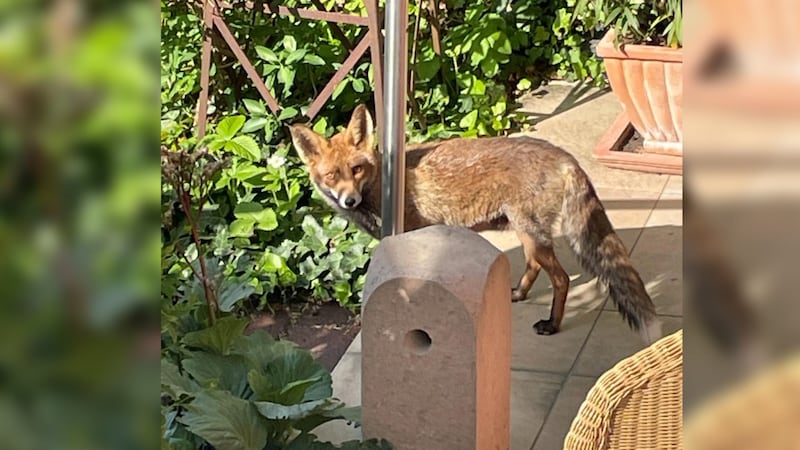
(436,342)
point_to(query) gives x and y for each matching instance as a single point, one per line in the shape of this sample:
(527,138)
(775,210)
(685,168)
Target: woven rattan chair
(637,405)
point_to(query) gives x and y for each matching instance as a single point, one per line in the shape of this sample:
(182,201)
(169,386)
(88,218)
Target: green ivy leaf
(264,218)
(242,227)
(468,122)
(321,126)
(226,422)
(342,291)
(229,126)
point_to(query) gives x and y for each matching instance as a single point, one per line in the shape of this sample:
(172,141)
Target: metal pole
(393,136)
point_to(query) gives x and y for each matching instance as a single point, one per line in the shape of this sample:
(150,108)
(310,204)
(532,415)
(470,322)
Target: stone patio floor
(552,374)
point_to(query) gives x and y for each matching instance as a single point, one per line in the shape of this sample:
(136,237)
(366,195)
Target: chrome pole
(394,106)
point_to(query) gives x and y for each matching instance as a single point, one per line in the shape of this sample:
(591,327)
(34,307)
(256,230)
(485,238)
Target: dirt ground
(325,329)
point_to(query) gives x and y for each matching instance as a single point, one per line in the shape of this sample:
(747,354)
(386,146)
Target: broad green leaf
(314,60)
(428,69)
(254,124)
(266,54)
(340,88)
(218,338)
(242,227)
(213,371)
(177,383)
(276,411)
(288,113)
(286,77)
(244,146)
(281,372)
(468,121)
(289,43)
(229,126)
(226,422)
(254,106)
(358,85)
(260,349)
(232,292)
(295,56)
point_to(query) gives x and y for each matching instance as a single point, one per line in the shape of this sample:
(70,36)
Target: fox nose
(350,202)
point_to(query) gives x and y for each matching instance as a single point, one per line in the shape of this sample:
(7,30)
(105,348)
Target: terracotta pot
(648,80)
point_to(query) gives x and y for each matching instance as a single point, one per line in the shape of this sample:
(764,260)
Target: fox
(489,183)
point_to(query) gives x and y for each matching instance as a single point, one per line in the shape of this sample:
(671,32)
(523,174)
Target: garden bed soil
(325,329)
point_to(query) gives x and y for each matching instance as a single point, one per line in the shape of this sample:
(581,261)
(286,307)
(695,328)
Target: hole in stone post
(418,341)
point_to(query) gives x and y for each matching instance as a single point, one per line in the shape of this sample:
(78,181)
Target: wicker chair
(637,405)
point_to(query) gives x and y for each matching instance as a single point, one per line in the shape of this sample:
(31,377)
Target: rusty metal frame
(372,40)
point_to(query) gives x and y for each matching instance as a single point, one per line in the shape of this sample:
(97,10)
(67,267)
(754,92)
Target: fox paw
(517,295)
(545,327)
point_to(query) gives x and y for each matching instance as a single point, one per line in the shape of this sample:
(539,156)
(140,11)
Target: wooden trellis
(372,40)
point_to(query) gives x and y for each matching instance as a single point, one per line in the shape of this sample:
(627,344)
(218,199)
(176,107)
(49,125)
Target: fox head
(342,166)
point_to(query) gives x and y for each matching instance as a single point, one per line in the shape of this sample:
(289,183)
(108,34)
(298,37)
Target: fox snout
(349,200)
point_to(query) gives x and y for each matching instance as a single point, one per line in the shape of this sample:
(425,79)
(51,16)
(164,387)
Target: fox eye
(357,169)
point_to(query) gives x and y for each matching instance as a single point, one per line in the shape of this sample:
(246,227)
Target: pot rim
(606,49)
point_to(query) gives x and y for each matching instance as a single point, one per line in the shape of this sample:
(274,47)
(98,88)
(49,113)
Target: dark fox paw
(545,327)
(517,295)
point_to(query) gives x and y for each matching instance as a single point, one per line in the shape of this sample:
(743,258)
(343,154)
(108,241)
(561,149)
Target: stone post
(436,342)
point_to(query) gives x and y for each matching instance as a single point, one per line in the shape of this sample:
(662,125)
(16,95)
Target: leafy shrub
(233,391)
(651,22)
(267,235)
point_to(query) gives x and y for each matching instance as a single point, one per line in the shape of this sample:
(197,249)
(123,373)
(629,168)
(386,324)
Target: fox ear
(306,142)
(360,129)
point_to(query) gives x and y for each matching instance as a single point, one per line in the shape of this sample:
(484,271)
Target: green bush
(233,391)
(650,22)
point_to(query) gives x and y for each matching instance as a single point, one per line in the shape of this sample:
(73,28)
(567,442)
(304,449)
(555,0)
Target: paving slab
(574,116)
(556,353)
(611,341)
(532,396)
(559,419)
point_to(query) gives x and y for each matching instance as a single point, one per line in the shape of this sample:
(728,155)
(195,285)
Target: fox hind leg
(546,257)
(532,268)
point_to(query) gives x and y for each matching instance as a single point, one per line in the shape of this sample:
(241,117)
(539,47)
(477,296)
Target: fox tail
(603,254)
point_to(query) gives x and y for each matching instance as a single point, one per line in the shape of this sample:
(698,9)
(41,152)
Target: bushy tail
(602,253)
